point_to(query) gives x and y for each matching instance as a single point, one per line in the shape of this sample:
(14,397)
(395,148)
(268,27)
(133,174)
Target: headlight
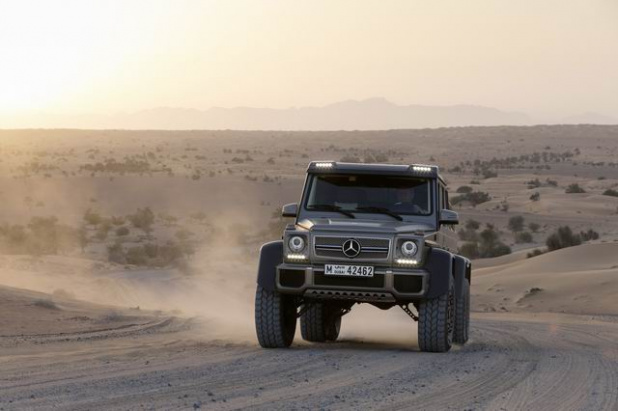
(409,248)
(296,244)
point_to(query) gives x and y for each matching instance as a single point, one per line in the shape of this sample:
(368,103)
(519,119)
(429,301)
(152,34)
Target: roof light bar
(324,165)
(422,169)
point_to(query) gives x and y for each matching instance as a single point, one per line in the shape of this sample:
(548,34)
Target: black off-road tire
(436,322)
(320,322)
(275,318)
(462,315)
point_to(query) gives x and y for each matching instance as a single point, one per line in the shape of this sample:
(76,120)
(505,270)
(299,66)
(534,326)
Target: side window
(442,197)
(447,203)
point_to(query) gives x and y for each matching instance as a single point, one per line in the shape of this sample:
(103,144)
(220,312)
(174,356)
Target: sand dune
(581,280)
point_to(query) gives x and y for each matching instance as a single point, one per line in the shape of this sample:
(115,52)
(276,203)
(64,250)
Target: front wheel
(436,322)
(275,318)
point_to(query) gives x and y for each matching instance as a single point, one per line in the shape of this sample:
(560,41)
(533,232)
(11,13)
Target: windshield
(369,194)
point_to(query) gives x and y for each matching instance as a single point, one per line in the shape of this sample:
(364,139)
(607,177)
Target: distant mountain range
(371,114)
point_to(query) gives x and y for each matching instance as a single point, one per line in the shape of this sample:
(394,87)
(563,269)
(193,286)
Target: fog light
(296,257)
(406,261)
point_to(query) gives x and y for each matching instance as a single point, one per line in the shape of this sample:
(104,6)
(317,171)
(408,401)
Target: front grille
(377,281)
(371,248)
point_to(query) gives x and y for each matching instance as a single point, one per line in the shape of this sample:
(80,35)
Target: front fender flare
(439,264)
(271,255)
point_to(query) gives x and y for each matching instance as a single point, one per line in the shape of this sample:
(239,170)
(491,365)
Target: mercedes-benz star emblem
(351,248)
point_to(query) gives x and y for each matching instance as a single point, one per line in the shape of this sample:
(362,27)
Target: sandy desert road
(513,362)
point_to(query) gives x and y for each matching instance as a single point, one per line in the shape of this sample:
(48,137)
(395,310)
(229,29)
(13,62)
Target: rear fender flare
(461,273)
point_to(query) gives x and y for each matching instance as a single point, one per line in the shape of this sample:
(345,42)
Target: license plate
(348,270)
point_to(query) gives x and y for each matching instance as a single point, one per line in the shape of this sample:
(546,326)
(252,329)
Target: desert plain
(128,264)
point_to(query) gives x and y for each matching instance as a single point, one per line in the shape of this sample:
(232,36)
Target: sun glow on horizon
(55,53)
(107,56)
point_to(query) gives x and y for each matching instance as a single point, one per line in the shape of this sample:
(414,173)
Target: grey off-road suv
(365,233)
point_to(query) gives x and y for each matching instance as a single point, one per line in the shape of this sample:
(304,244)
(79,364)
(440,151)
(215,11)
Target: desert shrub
(551,183)
(117,220)
(137,255)
(464,189)
(563,237)
(475,198)
(468,235)
(534,227)
(489,174)
(14,237)
(115,254)
(534,253)
(102,230)
(92,217)
(610,192)
(523,237)
(122,231)
(497,250)
(43,303)
(516,223)
(171,252)
(490,244)
(574,189)
(469,250)
(536,183)
(535,196)
(469,232)
(589,235)
(143,219)
(183,234)
(44,235)
(472,225)
(475,182)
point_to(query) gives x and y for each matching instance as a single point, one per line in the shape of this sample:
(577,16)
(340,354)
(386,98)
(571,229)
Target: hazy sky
(545,57)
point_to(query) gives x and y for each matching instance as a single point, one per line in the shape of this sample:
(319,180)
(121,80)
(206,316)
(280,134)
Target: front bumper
(387,284)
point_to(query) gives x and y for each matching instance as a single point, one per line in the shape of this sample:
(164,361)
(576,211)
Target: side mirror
(449,217)
(289,210)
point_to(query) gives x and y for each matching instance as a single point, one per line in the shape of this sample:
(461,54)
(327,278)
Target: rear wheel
(436,322)
(275,318)
(321,322)
(462,315)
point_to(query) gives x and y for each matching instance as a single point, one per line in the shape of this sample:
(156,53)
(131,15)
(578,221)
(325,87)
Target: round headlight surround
(296,244)
(409,248)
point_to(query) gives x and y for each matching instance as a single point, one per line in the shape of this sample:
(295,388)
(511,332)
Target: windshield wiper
(381,210)
(331,207)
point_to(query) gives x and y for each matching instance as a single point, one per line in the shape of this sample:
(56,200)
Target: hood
(364,226)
